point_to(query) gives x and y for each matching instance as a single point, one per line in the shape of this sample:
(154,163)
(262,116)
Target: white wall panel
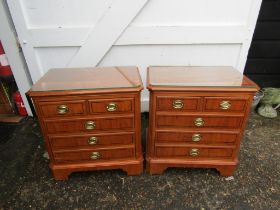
(63,13)
(194,12)
(67,33)
(54,57)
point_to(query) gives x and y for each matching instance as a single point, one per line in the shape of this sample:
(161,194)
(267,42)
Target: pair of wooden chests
(91,118)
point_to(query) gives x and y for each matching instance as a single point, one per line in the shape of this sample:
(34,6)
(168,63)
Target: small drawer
(94,155)
(194,152)
(89,124)
(220,104)
(200,121)
(63,108)
(90,140)
(177,103)
(111,106)
(200,137)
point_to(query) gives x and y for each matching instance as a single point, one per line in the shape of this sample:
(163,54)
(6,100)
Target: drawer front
(111,106)
(195,137)
(177,103)
(220,104)
(193,152)
(90,140)
(201,121)
(94,155)
(89,124)
(63,108)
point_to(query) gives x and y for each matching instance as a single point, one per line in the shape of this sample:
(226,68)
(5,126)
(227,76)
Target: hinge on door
(18,44)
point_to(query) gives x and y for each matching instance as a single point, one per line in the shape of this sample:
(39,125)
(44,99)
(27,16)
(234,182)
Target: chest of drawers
(197,117)
(90,119)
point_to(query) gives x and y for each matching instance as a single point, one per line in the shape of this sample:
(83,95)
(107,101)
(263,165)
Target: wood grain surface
(90,119)
(220,97)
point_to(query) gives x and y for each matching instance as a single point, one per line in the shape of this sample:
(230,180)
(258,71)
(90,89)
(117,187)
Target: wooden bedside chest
(90,119)
(197,117)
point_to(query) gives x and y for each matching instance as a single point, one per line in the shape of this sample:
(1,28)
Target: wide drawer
(193,152)
(89,124)
(111,106)
(90,140)
(63,108)
(199,121)
(94,155)
(224,104)
(177,103)
(200,137)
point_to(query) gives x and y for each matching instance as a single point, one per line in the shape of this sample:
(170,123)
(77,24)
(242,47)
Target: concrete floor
(26,181)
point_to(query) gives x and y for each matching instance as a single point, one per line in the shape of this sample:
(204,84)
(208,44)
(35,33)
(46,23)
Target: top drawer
(225,104)
(111,106)
(177,103)
(63,108)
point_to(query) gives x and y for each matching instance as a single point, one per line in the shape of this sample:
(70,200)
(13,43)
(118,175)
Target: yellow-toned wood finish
(197,117)
(90,119)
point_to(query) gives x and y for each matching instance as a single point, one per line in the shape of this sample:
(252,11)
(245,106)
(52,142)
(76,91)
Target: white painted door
(71,33)
(96,26)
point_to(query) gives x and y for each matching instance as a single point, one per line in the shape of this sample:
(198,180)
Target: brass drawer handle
(62,109)
(178,104)
(199,122)
(90,125)
(112,107)
(194,152)
(95,155)
(225,105)
(92,140)
(196,137)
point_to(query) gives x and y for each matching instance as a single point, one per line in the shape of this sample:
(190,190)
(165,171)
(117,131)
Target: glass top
(197,77)
(88,78)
